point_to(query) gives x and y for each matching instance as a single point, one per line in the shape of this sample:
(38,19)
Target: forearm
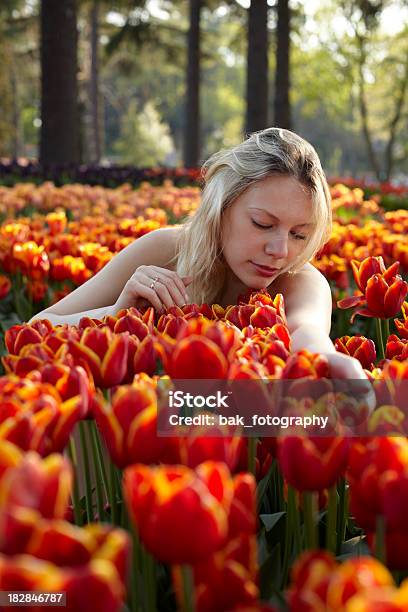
(73,319)
(312,338)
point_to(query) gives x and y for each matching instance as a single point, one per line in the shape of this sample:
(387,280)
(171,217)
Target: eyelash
(265,227)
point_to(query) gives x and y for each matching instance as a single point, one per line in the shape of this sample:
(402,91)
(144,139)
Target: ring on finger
(156,278)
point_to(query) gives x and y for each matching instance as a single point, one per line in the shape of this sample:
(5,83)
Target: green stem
(295,516)
(188,589)
(331,520)
(113,498)
(134,581)
(252,444)
(98,472)
(380,339)
(386,332)
(118,487)
(279,489)
(309,513)
(380,551)
(88,486)
(75,490)
(101,461)
(341,514)
(387,327)
(149,574)
(289,535)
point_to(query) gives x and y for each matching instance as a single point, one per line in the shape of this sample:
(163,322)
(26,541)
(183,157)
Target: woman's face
(265,229)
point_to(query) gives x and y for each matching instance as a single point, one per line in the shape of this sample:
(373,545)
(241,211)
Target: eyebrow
(277,218)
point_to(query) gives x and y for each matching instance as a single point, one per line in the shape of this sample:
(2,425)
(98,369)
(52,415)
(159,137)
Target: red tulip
(369,461)
(402,326)
(105,354)
(227,580)
(33,416)
(364,270)
(40,484)
(91,561)
(384,290)
(312,463)
(129,424)
(396,348)
(310,577)
(168,504)
(10,456)
(5,286)
(359,347)
(319,583)
(303,363)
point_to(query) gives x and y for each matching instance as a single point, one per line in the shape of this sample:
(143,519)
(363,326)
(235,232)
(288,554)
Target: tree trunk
(96,150)
(192,120)
(375,165)
(17,135)
(257,67)
(399,106)
(59,138)
(282,113)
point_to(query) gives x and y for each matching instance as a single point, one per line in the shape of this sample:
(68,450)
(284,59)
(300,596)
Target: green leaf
(355,547)
(263,485)
(270,520)
(270,574)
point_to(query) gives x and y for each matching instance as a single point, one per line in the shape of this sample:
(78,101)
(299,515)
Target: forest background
(161,82)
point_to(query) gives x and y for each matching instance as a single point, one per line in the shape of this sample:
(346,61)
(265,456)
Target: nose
(277,246)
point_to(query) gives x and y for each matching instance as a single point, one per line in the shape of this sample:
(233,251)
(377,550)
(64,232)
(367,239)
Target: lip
(265,271)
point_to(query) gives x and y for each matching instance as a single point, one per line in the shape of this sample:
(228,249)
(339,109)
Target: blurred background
(166,83)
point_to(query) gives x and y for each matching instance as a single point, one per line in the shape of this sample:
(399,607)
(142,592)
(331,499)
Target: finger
(174,285)
(164,294)
(144,291)
(176,297)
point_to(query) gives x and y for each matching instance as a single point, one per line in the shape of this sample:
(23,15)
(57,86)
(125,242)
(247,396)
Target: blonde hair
(227,174)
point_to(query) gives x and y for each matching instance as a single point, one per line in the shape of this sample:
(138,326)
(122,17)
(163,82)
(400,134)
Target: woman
(265,212)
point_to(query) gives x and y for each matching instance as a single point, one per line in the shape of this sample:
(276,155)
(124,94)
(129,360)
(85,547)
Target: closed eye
(261,226)
(266,227)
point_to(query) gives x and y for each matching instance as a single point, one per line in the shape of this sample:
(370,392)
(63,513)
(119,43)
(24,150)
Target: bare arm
(98,295)
(308,306)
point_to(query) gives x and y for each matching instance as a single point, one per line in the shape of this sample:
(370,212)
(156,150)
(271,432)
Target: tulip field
(95,505)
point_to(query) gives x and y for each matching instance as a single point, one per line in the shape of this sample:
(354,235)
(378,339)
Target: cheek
(296,248)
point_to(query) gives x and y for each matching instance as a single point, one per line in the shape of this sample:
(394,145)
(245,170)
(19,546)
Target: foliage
(144,140)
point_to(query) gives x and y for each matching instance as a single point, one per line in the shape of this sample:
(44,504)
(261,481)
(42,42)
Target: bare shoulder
(167,239)
(307,295)
(308,277)
(157,248)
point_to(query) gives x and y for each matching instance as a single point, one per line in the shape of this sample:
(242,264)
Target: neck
(231,289)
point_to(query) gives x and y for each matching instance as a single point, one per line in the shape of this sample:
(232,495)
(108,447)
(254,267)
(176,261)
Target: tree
(192,116)
(144,140)
(378,67)
(94,92)
(257,67)
(59,138)
(17,58)
(282,113)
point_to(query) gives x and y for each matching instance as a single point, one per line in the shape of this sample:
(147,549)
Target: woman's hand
(343,366)
(156,286)
(354,380)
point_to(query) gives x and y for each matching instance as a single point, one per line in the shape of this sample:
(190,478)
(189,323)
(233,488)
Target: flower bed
(99,506)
